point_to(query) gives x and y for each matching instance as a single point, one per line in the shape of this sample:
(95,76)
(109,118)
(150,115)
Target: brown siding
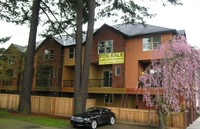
(103,34)
(16,66)
(107,34)
(133,54)
(56,62)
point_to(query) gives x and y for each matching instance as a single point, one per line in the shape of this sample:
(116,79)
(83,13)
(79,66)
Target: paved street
(15,124)
(195,124)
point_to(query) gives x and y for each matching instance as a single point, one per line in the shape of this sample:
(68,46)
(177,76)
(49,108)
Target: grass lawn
(42,120)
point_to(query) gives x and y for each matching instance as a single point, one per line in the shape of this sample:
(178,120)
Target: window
(108,98)
(10,73)
(105,47)
(71,52)
(117,71)
(55,73)
(107,78)
(156,41)
(14,73)
(48,54)
(151,43)
(146,44)
(11,60)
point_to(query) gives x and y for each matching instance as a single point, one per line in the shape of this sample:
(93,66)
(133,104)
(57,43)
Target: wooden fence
(148,118)
(63,106)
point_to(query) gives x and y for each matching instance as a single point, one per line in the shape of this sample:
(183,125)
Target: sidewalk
(195,124)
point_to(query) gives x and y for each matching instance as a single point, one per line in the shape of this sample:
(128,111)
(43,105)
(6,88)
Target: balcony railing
(91,83)
(46,85)
(68,83)
(6,83)
(42,83)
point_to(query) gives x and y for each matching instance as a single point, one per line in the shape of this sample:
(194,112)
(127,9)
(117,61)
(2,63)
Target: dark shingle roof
(139,29)
(181,32)
(126,29)
(20,48)
(64,40)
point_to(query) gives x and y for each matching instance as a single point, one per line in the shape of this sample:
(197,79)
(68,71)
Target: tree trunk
(161,124)
(87,54)
(25,91)
(81,77)
(78,58)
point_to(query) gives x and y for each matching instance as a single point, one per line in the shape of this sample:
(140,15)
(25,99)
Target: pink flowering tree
(174,76)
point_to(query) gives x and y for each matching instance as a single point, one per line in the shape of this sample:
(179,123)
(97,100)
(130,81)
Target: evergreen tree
(62,15)
(5,39)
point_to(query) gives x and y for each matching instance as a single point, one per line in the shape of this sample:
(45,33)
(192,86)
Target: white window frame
(55,73)
(14,73)
(146,44)
(48,54)
(105,46)
(71,53)
(11,60)
(117,70)
(149,43)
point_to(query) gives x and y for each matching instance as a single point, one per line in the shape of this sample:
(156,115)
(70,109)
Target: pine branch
(5,39)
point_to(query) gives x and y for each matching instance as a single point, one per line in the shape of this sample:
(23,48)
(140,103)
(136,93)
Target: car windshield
(93,110)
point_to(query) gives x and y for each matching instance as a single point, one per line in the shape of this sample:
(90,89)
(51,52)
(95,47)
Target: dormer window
(151,43)
(105,46)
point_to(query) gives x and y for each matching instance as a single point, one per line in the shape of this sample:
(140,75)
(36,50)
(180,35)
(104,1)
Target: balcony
(46,85)
(6,83)
(95,86)
(92,83)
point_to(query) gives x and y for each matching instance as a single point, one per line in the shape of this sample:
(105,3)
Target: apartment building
(120,53)
(11,68)
(48,65)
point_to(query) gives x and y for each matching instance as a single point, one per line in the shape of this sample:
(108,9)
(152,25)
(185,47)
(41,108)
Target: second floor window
(71,52)
(117,71)
(11,60)
(10,73)
(151,43)
(105,47)
(48,54)
(55,73)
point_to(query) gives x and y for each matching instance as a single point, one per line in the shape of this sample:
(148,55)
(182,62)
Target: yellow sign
(111,58)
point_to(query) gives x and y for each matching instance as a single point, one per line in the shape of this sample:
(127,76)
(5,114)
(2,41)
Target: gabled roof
(64,40)
(139,29)
(129,30)
(20,48)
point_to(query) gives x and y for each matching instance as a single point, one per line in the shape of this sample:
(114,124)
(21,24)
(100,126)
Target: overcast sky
(175,17)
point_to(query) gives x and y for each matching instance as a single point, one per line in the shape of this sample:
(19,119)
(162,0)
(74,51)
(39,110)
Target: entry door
(107,76)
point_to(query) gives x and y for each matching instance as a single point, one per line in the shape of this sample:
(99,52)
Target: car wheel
(93,124)
(112,120)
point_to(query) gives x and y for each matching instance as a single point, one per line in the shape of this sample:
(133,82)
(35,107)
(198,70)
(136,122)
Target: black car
(93,117)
